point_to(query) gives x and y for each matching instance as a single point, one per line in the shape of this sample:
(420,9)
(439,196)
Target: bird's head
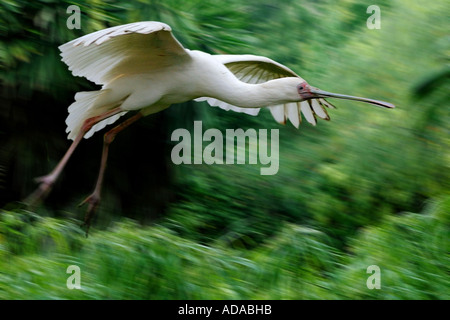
(307,92)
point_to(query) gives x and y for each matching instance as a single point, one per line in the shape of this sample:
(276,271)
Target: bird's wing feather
(213,102)
(256,69)
(127,49)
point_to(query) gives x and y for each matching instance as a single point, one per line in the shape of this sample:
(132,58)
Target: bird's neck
(247,95)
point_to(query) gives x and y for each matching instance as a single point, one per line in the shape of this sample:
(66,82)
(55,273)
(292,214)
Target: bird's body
(203,75)
(142,67)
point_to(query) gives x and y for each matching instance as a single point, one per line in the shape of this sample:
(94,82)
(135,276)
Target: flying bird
(143,68)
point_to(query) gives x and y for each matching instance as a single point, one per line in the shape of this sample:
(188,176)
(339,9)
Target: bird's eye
(300,88)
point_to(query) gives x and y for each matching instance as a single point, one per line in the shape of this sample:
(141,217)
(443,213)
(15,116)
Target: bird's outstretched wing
(256,69)
(131,48)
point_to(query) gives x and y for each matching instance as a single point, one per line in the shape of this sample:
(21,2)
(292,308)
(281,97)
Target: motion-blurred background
(371,187)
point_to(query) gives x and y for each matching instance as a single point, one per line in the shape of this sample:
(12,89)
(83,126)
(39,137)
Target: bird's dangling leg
(46,182)
(94,199)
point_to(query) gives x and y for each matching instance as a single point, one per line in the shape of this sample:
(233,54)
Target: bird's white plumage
(308,112)
(107,54)
(254,69)
(129,49)
(278,113)
(257,69)
(149,48)
(87,105)
(250,69)
(213,102)
(291,110)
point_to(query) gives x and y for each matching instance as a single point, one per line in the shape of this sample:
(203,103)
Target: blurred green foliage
(129,261)
(336,206)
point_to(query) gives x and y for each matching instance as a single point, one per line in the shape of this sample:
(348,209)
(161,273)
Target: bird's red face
(304,90)
(307,92)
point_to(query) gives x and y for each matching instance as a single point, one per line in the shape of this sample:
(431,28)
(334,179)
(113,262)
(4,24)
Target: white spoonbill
(143,68)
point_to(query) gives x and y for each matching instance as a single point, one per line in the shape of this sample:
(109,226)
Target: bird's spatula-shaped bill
(317,93)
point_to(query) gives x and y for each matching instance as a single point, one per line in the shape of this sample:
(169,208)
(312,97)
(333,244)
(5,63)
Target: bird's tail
(87,105)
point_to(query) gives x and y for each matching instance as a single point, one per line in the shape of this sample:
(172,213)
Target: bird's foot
(45,186)
(92,201)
